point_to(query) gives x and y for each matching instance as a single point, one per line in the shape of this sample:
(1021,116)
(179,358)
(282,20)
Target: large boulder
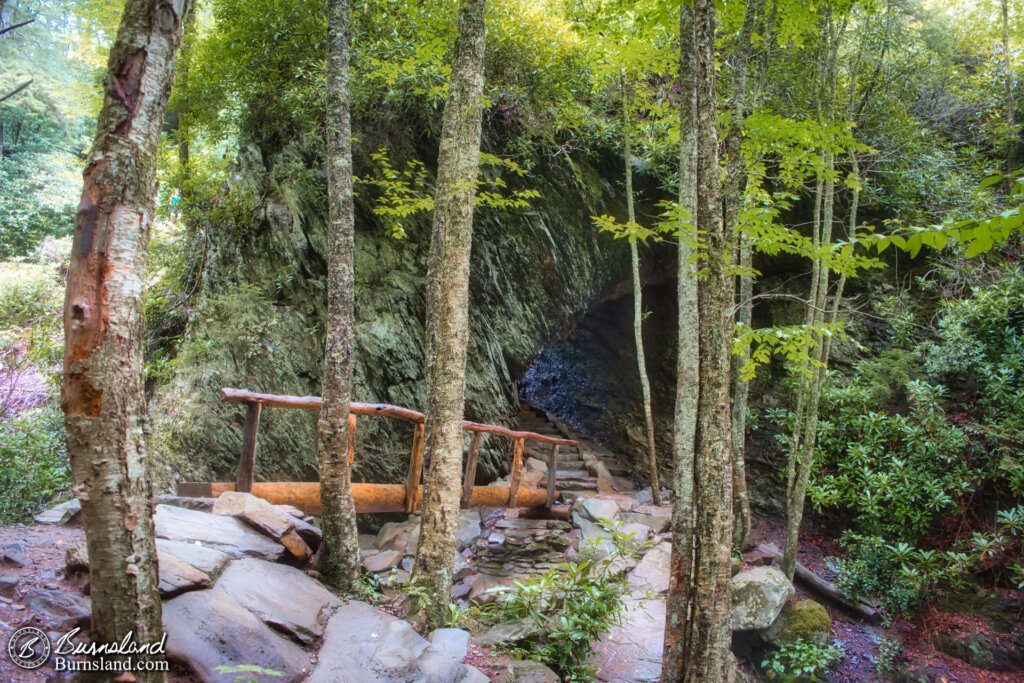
(451,642)
(226,534)
(364,645)
(207,629)
(281,596)
(594,510)
(985,650)
(177,576)
(804,620)
(758,596)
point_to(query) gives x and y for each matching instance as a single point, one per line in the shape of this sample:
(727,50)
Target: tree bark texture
(447,324)
(638,306)
(102,389)
(339,560)
(676,648)
(712,601)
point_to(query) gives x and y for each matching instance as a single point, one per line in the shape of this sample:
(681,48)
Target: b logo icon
(29,648)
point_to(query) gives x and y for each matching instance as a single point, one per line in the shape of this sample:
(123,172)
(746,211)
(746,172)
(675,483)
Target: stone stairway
(581,470)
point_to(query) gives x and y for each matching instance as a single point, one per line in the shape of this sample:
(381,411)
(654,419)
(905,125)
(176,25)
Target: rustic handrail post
(351,438)
(415,469)
(552,475)
(247,461)
(470,479)
(515,474)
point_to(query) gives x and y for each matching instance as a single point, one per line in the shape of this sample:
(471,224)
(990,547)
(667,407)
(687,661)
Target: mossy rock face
(257,320)
(804,620)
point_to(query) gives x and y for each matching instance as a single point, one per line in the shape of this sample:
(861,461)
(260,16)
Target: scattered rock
(462,568)
(226,534)
(461,589)
(364,645)
(758,596)
(468,529)
(290,510)
(653,571)
(803,620)
(204,558)
(15,554)
(528,671)
(392,530)
(511,632)
(187,502)
(657,523)
(294,544)
(62,610)
(283,597)
(177,576)
(206,629)
(367,541)
(76,557)
(382,561)
(60,514)
(487,588)
(8,582)
(735,565)
(637,534)
(985,650)
(594,510)
(453,643)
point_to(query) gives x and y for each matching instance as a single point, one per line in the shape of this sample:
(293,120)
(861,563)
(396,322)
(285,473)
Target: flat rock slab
(60,514)
(653,571)
(631,653)
(451,642)
(382,561)
(177,576)
(204,558)
(364,645)
(207,629)
(226,534)
(256,511)
(526,671)
(61,609)
(190,502)
(282,596)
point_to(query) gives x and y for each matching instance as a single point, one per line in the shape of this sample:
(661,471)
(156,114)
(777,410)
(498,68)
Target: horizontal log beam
(305,495)
(229,395)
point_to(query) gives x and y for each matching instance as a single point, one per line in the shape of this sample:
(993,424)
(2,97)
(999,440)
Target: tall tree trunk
(184,66)
(677,636)
(638,305)
(102,390)
(806,427)
(701,652)
(1011,149)
(339,559)
(447,326)
(710,632)
(735,179)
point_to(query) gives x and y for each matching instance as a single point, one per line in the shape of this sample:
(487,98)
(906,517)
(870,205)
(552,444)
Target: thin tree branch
(14,26)
(16,91)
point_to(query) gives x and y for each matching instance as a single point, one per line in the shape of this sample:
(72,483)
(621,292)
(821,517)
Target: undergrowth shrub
(800,660)
(34,468)
(572,605)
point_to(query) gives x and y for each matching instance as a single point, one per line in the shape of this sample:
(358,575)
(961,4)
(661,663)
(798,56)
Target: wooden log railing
(385,497)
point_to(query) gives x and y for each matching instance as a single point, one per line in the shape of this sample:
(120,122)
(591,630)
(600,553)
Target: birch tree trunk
(676,649)
(102,389)
(339,559)
(735,178)
(638,307)
(447,325)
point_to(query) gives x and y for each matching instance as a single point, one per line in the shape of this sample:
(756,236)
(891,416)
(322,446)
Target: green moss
(805,620)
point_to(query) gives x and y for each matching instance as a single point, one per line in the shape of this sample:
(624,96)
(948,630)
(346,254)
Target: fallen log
(823,588)
(305,495)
